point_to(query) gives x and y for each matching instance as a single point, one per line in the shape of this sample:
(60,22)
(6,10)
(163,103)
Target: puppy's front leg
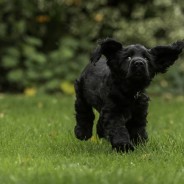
(137,124)
(113,122)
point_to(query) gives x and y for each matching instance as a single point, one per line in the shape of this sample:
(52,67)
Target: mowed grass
(37,145)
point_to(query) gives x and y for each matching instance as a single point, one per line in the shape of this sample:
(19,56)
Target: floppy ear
(108,47)
(165,56)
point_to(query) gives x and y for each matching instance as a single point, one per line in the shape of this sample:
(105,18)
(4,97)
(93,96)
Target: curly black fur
(115,87)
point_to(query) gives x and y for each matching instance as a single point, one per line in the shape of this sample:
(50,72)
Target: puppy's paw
(123,146)
(82,133)
(138,135)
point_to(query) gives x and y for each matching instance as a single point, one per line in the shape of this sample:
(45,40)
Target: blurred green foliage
(45,44)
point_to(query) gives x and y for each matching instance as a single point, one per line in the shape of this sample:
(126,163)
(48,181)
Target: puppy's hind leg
(84,115)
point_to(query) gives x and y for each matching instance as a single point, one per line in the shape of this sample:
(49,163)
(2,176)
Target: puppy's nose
(138,63)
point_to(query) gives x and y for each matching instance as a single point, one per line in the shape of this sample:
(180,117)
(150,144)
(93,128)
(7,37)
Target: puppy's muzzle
(138,68)
(139,63)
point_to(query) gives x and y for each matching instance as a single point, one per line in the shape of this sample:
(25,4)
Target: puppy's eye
(146,58)
(129,58)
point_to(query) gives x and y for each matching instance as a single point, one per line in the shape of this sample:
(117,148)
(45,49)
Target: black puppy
(115,87)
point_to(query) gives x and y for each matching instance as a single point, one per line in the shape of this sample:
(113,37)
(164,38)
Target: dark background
(45,44)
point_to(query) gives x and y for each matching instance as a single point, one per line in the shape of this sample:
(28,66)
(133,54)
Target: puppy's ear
(108,47)
(165,56)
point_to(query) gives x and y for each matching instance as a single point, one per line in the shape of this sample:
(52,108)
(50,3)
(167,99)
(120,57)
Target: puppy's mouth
(138,69)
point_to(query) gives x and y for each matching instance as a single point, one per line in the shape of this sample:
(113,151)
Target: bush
(45,44)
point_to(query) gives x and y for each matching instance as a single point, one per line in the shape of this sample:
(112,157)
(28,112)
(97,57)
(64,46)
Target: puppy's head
(135,62)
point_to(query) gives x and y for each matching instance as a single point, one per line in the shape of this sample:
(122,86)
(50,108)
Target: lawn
(37,145)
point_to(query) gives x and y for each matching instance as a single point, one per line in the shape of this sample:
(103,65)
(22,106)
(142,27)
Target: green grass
(37,145)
